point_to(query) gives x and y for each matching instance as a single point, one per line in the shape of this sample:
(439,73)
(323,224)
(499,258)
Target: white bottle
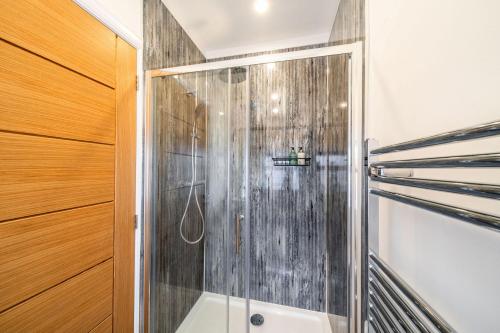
(301,156)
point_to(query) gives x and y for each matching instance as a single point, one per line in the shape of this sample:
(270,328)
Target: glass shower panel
(238,226)
(218,178)
(188,126)
(227,142)
(238,241)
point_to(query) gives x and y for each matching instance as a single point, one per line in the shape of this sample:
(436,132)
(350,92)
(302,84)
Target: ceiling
(230,27)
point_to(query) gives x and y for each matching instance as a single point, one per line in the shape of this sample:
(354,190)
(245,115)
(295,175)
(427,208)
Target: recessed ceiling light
(270,66)
(221,113)
(343,105)
(275,96)
(261,6)
(276,110)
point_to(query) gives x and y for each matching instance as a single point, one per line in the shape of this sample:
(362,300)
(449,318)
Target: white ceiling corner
(230,27)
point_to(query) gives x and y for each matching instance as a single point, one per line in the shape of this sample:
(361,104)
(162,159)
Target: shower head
(238,75)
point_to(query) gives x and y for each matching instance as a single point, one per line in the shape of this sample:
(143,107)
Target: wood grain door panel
(61,31)
(40,97)
(76,305)
(40,175)
(67,171)
(40,252)
(105,327)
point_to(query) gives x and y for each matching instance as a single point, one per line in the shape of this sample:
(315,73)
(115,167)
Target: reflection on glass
(278,238)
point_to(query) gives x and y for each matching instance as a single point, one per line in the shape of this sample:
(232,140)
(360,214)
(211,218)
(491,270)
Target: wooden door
(67,171)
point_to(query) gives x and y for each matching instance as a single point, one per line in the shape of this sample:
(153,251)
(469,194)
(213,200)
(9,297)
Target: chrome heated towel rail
(393,306)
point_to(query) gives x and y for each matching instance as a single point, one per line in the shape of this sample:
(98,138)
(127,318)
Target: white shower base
(209,316)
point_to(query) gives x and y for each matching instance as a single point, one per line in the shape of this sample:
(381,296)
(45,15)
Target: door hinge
(137,83)
(135,221)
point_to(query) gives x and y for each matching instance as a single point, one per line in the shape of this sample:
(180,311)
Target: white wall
(434,66)
(127,12)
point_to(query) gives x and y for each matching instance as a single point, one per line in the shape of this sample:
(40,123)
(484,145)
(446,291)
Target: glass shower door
(224,198)
(226,193)
(197,240)
(236,240)
(178,222)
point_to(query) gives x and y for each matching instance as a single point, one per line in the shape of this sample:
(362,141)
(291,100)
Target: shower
(284,267)
(194,139)
(238,75)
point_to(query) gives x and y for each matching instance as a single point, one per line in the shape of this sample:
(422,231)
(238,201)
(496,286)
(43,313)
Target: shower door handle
(238,232)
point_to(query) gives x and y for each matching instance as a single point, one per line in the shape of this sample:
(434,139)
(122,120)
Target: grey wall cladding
(177,276)
(292,208)
(166,44)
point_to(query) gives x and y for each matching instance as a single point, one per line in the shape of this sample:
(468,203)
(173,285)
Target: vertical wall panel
(288,204)
(166,44)
(177,272)
(349,24)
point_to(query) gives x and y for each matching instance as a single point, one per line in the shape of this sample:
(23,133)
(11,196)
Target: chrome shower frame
(355,157)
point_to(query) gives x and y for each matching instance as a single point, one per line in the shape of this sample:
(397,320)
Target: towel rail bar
(475,132)
(462,161)
(416,300)
(473,189)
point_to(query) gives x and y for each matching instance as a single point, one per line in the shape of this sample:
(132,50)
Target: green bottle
(293,157)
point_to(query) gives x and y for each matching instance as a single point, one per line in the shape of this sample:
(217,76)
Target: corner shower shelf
(287,161)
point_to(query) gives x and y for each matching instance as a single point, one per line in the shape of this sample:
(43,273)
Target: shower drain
(257,319)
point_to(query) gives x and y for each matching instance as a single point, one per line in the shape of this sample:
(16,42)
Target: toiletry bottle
(302,156)
(293,156)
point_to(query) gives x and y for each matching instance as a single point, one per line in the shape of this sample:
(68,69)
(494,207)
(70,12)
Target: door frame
(355,157)
(112,22)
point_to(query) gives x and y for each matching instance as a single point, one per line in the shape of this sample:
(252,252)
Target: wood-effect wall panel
(40,97)
(349,24)
(61,31)
(40,175)
(124,259)
(76,305)
(166,44)
(176,283)
(288,204)
(105,326)
(39,252)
